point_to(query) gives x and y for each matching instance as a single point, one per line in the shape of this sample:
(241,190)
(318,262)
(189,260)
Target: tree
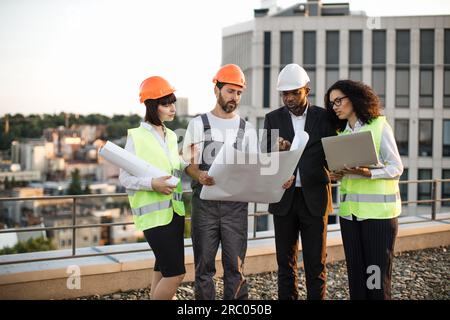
(75,184)
(31,245)
(13,183)
(87,189)
(7,184)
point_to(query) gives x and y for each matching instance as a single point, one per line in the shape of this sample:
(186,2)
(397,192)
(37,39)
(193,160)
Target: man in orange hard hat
(219,222)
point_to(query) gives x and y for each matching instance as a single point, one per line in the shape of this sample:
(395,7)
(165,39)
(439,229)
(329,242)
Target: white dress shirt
(298,122)
(388,157)
(143,183)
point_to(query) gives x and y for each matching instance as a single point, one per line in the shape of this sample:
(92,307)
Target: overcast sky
(86,56)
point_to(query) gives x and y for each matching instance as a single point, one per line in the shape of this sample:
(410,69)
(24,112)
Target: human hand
(206,180)
(336,175)
(288,183)
(283,144)
(162,186)
(361,171)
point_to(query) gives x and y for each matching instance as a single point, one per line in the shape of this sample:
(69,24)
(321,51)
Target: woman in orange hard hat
(156,204)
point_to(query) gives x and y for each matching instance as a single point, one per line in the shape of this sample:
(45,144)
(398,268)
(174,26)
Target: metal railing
(433,201)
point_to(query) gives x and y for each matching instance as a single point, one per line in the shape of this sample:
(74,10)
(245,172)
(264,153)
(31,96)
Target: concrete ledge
(123,272)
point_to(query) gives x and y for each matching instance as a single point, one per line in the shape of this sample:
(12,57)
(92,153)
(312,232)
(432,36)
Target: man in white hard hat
(307,202)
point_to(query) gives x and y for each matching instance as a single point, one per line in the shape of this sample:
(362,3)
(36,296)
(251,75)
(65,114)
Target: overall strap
(240,135)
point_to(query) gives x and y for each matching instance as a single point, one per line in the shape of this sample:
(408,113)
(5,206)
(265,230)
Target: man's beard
(227,107)
(297,109)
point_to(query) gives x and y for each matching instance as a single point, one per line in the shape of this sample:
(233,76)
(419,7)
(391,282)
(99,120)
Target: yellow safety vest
(150,208)
(370,198)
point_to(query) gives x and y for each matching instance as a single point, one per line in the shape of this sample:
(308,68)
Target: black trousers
(313,232)
(369,251)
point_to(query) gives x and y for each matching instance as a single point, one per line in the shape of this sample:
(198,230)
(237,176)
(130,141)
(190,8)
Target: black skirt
(167,243)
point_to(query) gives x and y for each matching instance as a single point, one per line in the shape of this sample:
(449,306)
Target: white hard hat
(292,77)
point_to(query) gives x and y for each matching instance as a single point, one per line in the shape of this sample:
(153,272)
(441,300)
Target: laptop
(351,150)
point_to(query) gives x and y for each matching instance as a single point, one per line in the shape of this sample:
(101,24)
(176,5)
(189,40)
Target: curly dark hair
(366,103)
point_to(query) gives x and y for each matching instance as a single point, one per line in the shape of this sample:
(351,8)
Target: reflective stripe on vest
(151,208)
(380,198)
(176,196)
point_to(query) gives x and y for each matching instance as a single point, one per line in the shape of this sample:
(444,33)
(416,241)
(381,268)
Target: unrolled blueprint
(253,177)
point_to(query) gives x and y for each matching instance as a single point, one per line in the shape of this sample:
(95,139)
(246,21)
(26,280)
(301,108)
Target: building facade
(405,59)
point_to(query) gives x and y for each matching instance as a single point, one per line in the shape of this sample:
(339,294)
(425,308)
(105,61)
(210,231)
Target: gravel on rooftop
(417,275)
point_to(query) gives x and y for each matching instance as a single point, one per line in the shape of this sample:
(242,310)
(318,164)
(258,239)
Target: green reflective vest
(370,198)
(150,208)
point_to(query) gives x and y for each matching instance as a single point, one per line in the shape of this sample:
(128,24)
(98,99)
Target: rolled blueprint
(132,164)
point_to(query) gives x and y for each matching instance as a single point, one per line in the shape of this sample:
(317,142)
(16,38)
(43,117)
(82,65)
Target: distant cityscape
(64,160)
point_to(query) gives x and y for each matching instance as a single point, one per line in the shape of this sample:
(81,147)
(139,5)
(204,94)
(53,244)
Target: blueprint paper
(132,163)
(259,180)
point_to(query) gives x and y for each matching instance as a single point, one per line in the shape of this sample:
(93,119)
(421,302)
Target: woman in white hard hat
(370,198)
(157,205)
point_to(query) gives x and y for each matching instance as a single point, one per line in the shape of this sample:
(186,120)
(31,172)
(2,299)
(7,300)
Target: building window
(424,189)
(379,63)
(402,60)
(312,85)
(447,68)
(404,186)
(426,68)
(379,47)
(332,58)
(332,53)
(309,61)
(445,194)
(402,88)
(267,64)
(402,136)
(332,75)
(355,55)
(425,138)
(355,74)
(446,138)
(286,48)
(402,46)
(426,87)
(309,48)
(427,47)
(63,243)
(379,83)
(447,87)
(262,223)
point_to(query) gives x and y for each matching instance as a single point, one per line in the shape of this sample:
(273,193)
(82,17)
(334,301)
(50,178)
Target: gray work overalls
(215,222)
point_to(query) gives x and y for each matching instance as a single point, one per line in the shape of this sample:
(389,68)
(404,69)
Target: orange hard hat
(155,88)
(232,74)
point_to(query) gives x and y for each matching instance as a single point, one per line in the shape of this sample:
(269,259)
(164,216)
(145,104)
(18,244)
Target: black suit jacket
(313,168)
